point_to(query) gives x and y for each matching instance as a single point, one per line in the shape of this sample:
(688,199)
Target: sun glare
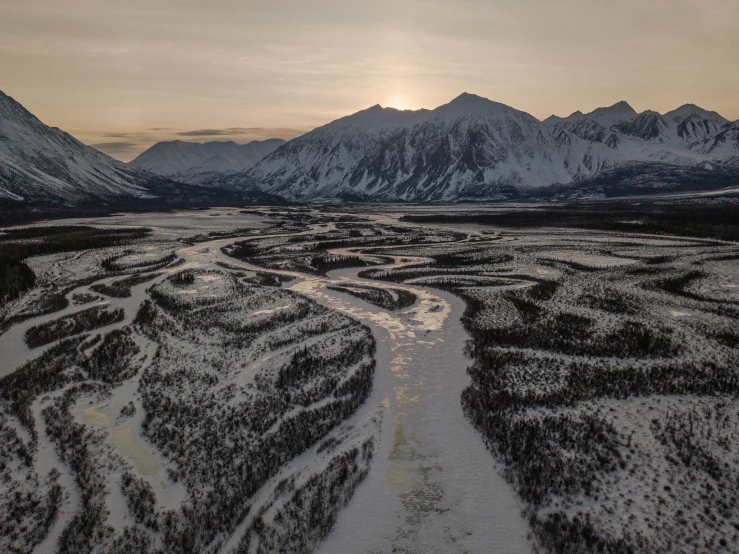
(399,103)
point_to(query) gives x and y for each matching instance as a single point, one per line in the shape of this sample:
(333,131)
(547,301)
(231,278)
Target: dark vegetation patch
(15,278)
(80,298)
(693,220)
(328,262)
(380,297)
(678,285)
(610,300)
(268,279)
(73,324)
(473,256)
(114,264)
(398,275)
(724,258)
(16,245)
(111,361)
(320,497)
(285,411)
(121,288)
(19,244)
(141,500)
(554,330)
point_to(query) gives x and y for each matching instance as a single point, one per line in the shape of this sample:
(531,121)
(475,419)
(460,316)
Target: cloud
(277,132)
(220,132)
(117,147)
(122,135)
(204,133)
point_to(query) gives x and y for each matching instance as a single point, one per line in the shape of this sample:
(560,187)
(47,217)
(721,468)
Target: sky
(122,75)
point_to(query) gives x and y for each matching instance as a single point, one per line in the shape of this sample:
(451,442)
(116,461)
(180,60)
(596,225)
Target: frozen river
(433,486)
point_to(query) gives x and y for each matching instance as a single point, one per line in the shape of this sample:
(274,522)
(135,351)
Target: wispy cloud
(206,133)
(243,131)
(126,136)
(115,148)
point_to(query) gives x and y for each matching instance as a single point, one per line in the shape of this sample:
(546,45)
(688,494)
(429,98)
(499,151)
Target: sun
(399,102)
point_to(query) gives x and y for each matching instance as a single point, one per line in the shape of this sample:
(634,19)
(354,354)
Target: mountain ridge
(473,147)
(202,162)
(470,148)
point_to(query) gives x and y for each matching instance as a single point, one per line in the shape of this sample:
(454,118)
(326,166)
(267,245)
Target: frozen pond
(124,440)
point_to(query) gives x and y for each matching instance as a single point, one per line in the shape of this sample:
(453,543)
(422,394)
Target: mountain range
(201,163)
(473,148)
(469,149)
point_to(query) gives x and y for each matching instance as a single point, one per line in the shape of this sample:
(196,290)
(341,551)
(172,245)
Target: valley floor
(306,380)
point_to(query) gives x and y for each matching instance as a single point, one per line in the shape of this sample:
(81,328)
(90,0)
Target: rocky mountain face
(203,163)
(473,148)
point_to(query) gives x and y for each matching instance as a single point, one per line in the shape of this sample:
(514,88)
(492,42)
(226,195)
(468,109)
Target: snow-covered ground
(233,396)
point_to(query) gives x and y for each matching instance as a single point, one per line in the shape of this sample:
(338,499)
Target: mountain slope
(192,162)
(476,148)
(45,165)
(469,147)
(41,163)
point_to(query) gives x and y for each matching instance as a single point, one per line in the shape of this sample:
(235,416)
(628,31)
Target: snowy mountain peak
(552,120)
(470,100)
(622,105)
(620,111)
(691,110)
(608,116)
(469,104)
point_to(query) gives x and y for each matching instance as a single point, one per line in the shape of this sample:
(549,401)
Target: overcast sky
(124,74)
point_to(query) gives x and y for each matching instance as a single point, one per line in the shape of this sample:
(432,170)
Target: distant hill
(197,163)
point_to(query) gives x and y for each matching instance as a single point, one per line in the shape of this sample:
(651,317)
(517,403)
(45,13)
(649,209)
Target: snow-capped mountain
(201,163)
(605,117)
(465,148)
(41,163)
(470,148)
(476,148)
